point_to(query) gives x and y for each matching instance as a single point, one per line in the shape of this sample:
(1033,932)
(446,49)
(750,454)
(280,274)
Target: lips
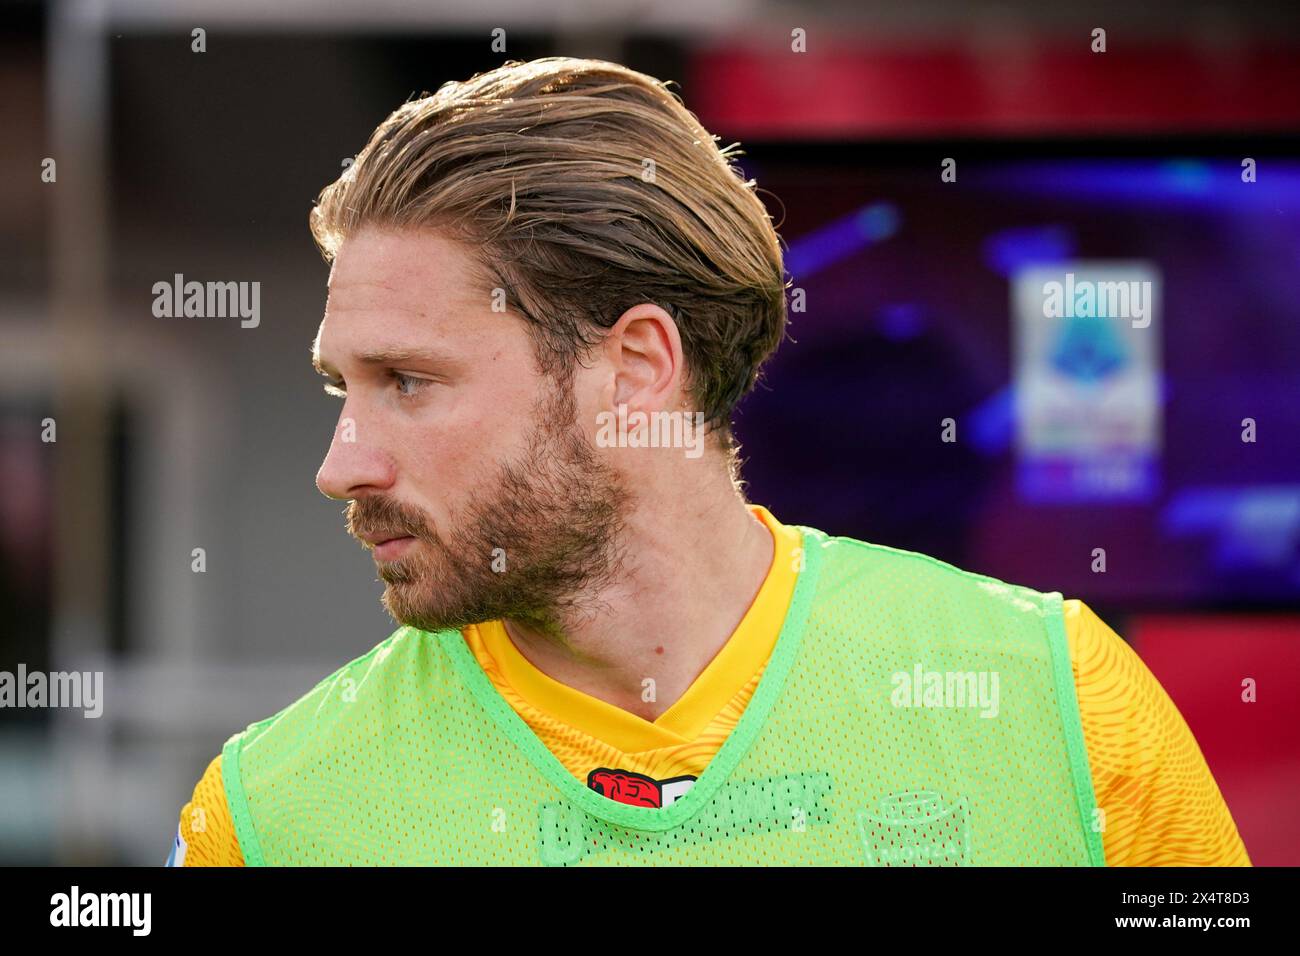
(376,538)
(391,548)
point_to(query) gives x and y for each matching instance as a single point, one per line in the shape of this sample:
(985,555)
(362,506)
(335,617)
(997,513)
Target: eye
(338,389)
(408,386)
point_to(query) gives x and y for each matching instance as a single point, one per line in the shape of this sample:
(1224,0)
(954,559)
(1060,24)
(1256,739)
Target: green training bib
(911,714)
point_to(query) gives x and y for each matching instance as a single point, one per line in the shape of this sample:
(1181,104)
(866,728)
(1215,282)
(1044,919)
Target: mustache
(372,515)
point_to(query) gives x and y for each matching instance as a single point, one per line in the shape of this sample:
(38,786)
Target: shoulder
(405,657)
(359,703)
(1098,654)
(288,759)
(899,575)
(1162,804)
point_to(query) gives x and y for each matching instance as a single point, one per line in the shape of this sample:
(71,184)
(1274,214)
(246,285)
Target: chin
(404,613)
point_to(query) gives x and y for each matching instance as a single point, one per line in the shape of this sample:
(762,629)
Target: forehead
(389,287)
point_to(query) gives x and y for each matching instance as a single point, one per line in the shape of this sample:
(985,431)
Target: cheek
(441,463)
(459,451)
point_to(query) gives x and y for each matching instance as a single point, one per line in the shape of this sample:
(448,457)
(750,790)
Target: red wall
(1253,750)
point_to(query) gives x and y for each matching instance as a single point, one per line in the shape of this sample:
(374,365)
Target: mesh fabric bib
(911,714)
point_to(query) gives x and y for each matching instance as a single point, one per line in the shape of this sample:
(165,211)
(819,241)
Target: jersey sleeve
(205,835)
(1160,802)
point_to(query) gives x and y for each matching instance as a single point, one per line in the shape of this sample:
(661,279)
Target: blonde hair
(583,188)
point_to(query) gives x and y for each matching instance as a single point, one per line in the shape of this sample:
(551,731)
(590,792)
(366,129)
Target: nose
(352,466)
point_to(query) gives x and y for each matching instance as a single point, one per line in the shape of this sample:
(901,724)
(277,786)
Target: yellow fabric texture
(206,825)
(1161,804)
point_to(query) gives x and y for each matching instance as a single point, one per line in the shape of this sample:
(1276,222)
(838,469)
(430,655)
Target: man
(549,290)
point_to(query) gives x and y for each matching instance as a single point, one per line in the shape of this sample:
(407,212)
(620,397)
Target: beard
(536,545)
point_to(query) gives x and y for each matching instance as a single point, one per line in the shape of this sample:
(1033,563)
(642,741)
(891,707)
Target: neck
(694,565)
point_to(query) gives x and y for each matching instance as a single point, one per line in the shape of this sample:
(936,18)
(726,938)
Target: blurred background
(178,434)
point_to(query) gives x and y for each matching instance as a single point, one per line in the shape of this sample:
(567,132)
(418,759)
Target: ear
(644,352)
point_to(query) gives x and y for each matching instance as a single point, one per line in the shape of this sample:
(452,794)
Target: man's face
(466,469)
